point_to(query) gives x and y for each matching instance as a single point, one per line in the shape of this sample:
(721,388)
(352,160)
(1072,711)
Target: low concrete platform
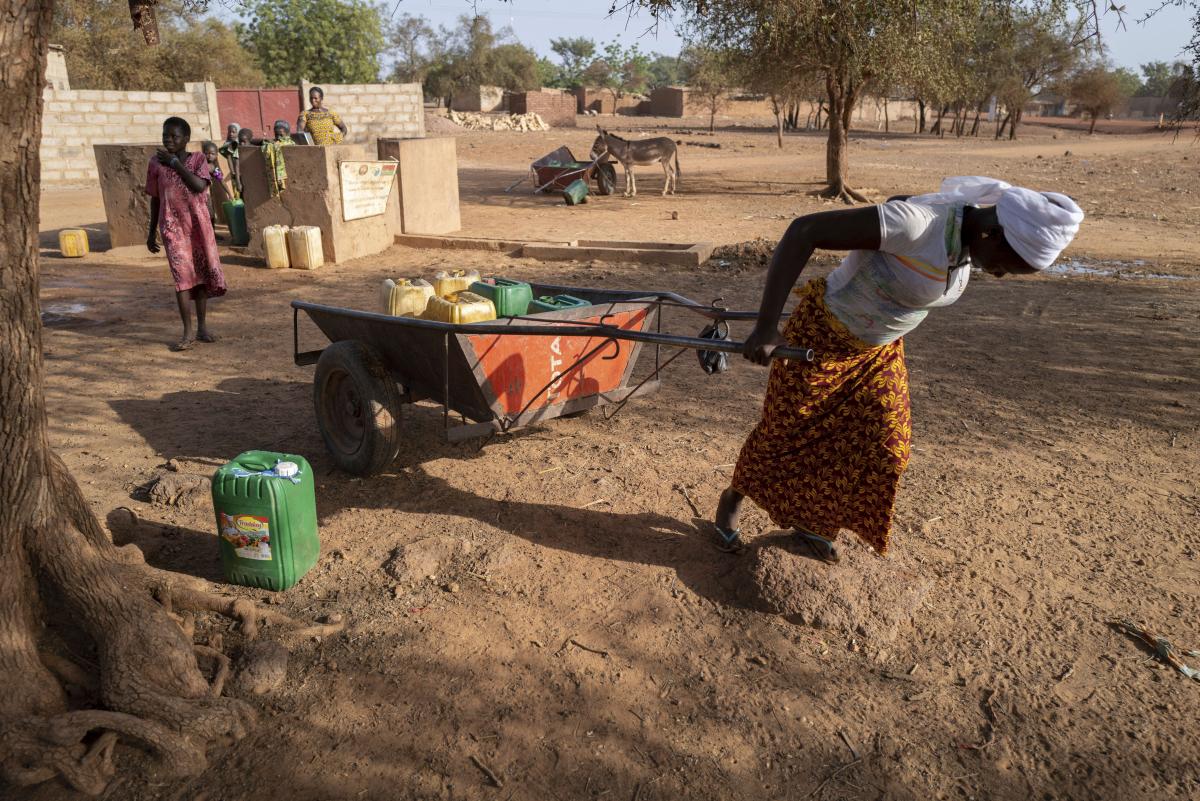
(677,254)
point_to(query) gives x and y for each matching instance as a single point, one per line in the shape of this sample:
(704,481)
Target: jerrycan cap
(286,469)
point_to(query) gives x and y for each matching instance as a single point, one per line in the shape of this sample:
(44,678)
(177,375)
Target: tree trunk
(1003,123)
(1092,127)
(778,127)
(887,124)
(820,110)
(936,130)
(921,116)
(52,548)
(1014,122)
(712,117)
(975,125)
(842,96)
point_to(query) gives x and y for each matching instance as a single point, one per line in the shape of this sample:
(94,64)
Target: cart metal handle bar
(712,311)
(579,330)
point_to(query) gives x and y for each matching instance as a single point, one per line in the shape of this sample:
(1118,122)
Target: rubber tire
(353,366)
(606,178)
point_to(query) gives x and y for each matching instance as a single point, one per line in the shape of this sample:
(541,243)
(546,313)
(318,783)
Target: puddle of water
(63,309)
(1110,269)
(64,315)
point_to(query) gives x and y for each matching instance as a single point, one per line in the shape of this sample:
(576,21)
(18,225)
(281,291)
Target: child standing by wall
(229,149)
(177,182)
(218,192)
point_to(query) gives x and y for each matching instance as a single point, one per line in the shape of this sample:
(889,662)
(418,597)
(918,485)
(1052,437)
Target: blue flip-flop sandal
(820,548)
(729,541)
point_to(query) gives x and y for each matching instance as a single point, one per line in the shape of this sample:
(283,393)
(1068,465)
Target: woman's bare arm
(845,229)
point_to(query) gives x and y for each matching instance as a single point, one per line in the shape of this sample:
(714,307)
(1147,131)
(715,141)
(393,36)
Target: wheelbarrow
(497,376)
(558,169)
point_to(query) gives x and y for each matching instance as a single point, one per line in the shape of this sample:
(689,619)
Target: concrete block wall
(555,106)
(376,110)
(482,98)
(56,69)
(77,119)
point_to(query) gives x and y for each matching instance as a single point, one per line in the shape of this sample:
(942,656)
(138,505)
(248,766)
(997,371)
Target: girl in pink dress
(177,183)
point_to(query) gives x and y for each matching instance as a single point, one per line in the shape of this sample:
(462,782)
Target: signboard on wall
(366,186)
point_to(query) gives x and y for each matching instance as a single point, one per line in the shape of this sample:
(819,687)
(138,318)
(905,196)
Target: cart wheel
(606,178)
(358,408)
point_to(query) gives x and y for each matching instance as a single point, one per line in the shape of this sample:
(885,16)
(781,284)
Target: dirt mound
(425,558)
(753,254)
(863,595)
(437,124)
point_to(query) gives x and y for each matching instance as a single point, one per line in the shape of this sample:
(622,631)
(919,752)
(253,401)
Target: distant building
(480,98)
(1046,104)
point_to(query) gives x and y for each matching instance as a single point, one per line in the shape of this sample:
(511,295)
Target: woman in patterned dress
(177,183)
(835,434)
(324,126)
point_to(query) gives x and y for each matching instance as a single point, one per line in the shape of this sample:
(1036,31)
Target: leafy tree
(1158,77)
(1098,89)
(324,41)
(474,54)
(620,70)
(514,67)
(664,71)
(415,47)
(845,42)
(101,54)
(1187,86)
(575,54)
(709,74)
(549,74)
(1040,52)
(1129,81)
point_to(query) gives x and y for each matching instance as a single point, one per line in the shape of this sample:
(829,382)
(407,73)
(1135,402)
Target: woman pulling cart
(835,433)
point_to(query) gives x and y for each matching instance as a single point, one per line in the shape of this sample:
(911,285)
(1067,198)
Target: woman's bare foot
(206,336)
(187,343)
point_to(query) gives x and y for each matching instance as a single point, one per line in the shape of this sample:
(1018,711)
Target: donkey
(642,151)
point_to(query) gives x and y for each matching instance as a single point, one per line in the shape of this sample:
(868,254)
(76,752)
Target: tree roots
(843,193)
(150,685)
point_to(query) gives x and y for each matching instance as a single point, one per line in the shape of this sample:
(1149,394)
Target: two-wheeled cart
(498,375)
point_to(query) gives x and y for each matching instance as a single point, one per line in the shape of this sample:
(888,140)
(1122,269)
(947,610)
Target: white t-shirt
(881,295)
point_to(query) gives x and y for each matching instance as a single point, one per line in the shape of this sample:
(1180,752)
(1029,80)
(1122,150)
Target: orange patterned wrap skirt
(835,433)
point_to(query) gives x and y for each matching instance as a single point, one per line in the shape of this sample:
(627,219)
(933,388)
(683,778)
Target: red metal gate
(257,108)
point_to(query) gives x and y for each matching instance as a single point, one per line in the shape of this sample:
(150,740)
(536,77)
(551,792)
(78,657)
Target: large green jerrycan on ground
(266,510)
(235,216)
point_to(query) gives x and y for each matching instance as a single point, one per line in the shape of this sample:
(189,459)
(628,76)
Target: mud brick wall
(668,101)
(375,110)
(555,107)
(601,102)
(78,119)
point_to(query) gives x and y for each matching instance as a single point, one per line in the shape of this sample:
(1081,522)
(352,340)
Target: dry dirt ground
(556,611)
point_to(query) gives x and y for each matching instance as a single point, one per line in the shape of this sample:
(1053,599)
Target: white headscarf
(1038,225)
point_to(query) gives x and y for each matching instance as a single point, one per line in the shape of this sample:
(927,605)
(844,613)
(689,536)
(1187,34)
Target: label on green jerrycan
(266,510)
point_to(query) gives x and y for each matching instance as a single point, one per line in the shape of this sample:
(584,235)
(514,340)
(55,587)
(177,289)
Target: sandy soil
(580,635)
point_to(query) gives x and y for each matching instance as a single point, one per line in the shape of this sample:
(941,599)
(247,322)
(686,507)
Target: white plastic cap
(286,469)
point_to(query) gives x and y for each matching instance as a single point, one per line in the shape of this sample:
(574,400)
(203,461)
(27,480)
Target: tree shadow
(166,546)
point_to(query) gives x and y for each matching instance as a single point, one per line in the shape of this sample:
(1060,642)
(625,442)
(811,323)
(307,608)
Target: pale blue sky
(536,22)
